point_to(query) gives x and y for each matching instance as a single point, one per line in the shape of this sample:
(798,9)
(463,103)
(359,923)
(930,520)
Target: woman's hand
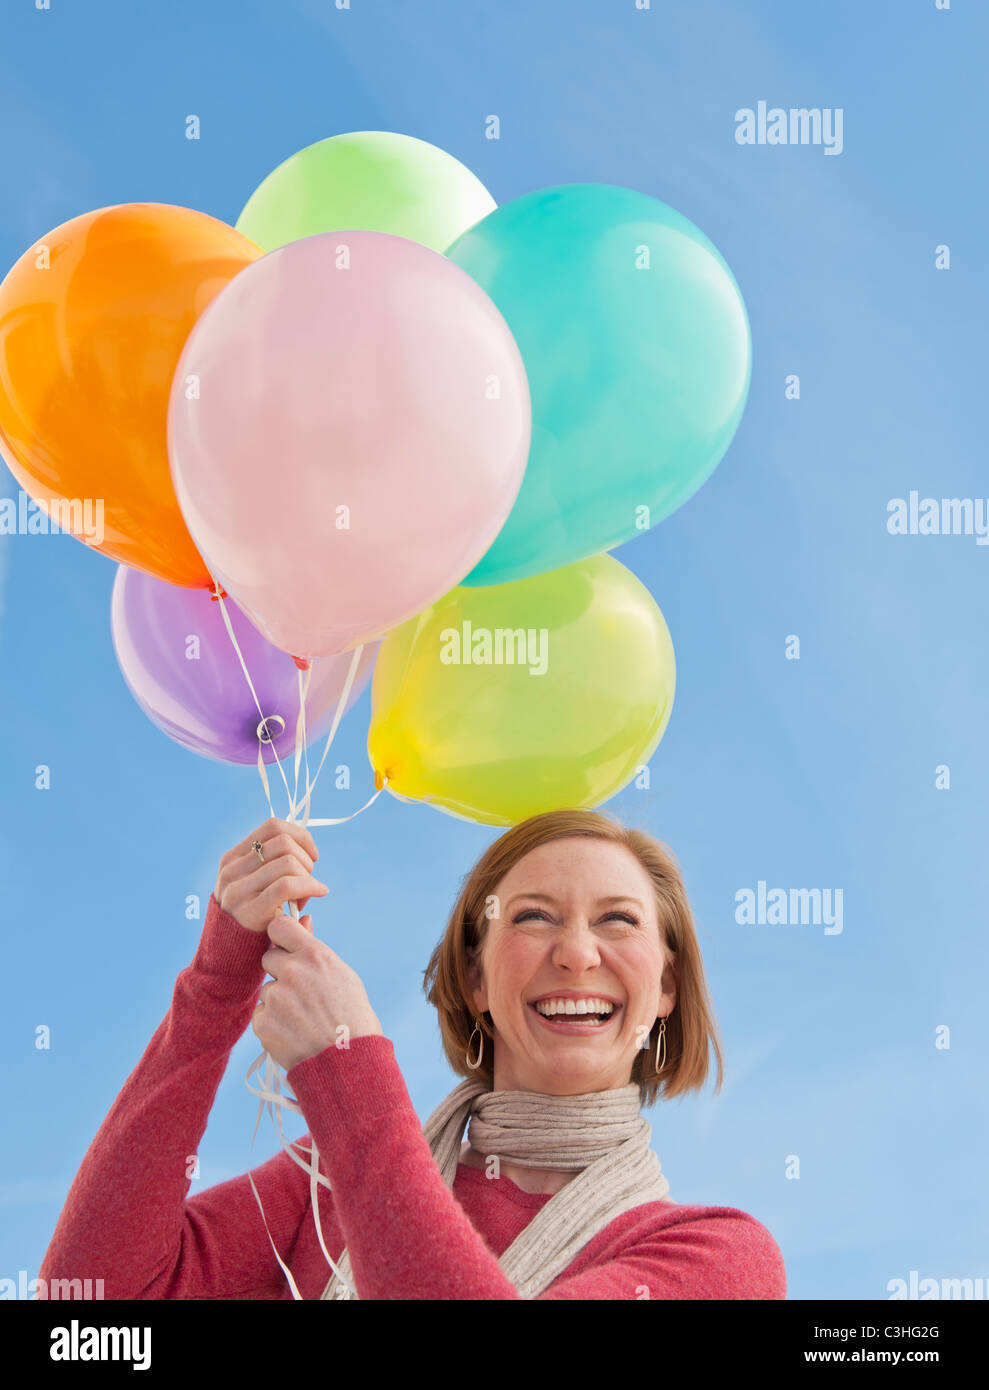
(252,891)
(315,998)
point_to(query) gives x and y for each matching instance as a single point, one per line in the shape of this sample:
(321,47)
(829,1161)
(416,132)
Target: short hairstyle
(690,1026)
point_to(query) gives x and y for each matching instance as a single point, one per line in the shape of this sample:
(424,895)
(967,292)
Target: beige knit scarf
(603,1134)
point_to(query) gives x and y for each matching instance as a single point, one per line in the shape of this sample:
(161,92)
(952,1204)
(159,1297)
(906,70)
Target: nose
(575,947)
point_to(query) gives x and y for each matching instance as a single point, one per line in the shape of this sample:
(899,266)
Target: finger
(293,888)
(289,934)
(273,960)
(281,870)
(277,848)
(306,922)
(282,850)
(262,891)
(276,826)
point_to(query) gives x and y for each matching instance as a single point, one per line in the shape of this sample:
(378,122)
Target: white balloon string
(271,1090)
(300,732)
(288,1273)
(342,820)
(247,676)
(344,695)
(270,1095)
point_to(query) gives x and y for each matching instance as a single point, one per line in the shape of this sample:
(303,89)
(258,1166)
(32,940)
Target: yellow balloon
(501,702)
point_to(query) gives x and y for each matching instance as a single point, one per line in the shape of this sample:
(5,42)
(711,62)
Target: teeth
(549,1007)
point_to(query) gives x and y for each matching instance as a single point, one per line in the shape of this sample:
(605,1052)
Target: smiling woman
(570,993)
(572,903)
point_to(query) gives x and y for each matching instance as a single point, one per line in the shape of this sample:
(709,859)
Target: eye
(531,912)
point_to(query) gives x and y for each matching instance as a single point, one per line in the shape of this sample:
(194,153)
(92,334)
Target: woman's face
(576,916)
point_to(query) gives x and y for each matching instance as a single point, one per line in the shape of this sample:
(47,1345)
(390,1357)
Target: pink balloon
(348,430)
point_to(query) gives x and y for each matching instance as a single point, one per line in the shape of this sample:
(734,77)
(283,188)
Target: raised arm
(126,1219)
(410,1238)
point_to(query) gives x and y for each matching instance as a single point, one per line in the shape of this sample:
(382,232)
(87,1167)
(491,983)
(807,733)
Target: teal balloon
(637,347)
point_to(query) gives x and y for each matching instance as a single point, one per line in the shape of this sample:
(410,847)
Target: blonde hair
(690,1026)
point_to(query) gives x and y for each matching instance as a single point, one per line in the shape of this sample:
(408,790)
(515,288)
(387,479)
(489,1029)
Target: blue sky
(811,773)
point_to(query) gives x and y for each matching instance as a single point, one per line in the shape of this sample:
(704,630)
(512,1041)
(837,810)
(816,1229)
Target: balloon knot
(268,731)
(222,594)
(302,662)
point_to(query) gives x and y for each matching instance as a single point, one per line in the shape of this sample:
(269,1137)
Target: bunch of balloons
(387,423)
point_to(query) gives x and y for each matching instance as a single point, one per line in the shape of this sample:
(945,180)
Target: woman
(570,992)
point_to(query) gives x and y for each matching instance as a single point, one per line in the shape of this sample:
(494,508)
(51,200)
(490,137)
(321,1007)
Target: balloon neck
(268,729)
(220,593)
(380,778)
(302,662)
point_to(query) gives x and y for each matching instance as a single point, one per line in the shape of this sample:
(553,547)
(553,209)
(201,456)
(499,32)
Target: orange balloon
(93,319)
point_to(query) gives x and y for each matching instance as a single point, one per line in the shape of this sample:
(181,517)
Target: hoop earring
(474,1065)
(661,1037)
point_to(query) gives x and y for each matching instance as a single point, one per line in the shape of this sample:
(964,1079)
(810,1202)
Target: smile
(576,1023)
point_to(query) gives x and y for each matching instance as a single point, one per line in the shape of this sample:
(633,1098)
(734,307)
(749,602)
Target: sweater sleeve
(409,1237)
(126,1219)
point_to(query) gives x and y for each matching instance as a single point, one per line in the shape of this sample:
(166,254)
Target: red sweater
(129,1221)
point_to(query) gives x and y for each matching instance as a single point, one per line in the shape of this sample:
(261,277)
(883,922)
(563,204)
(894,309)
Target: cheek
(640,964)
(512,963)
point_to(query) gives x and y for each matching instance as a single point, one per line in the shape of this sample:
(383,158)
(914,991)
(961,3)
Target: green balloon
(637,347)
(370,181)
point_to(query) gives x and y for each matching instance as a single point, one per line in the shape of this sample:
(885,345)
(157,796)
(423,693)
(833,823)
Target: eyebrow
(601,902)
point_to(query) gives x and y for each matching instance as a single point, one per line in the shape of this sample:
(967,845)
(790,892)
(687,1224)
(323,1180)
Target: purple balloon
(180,665)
